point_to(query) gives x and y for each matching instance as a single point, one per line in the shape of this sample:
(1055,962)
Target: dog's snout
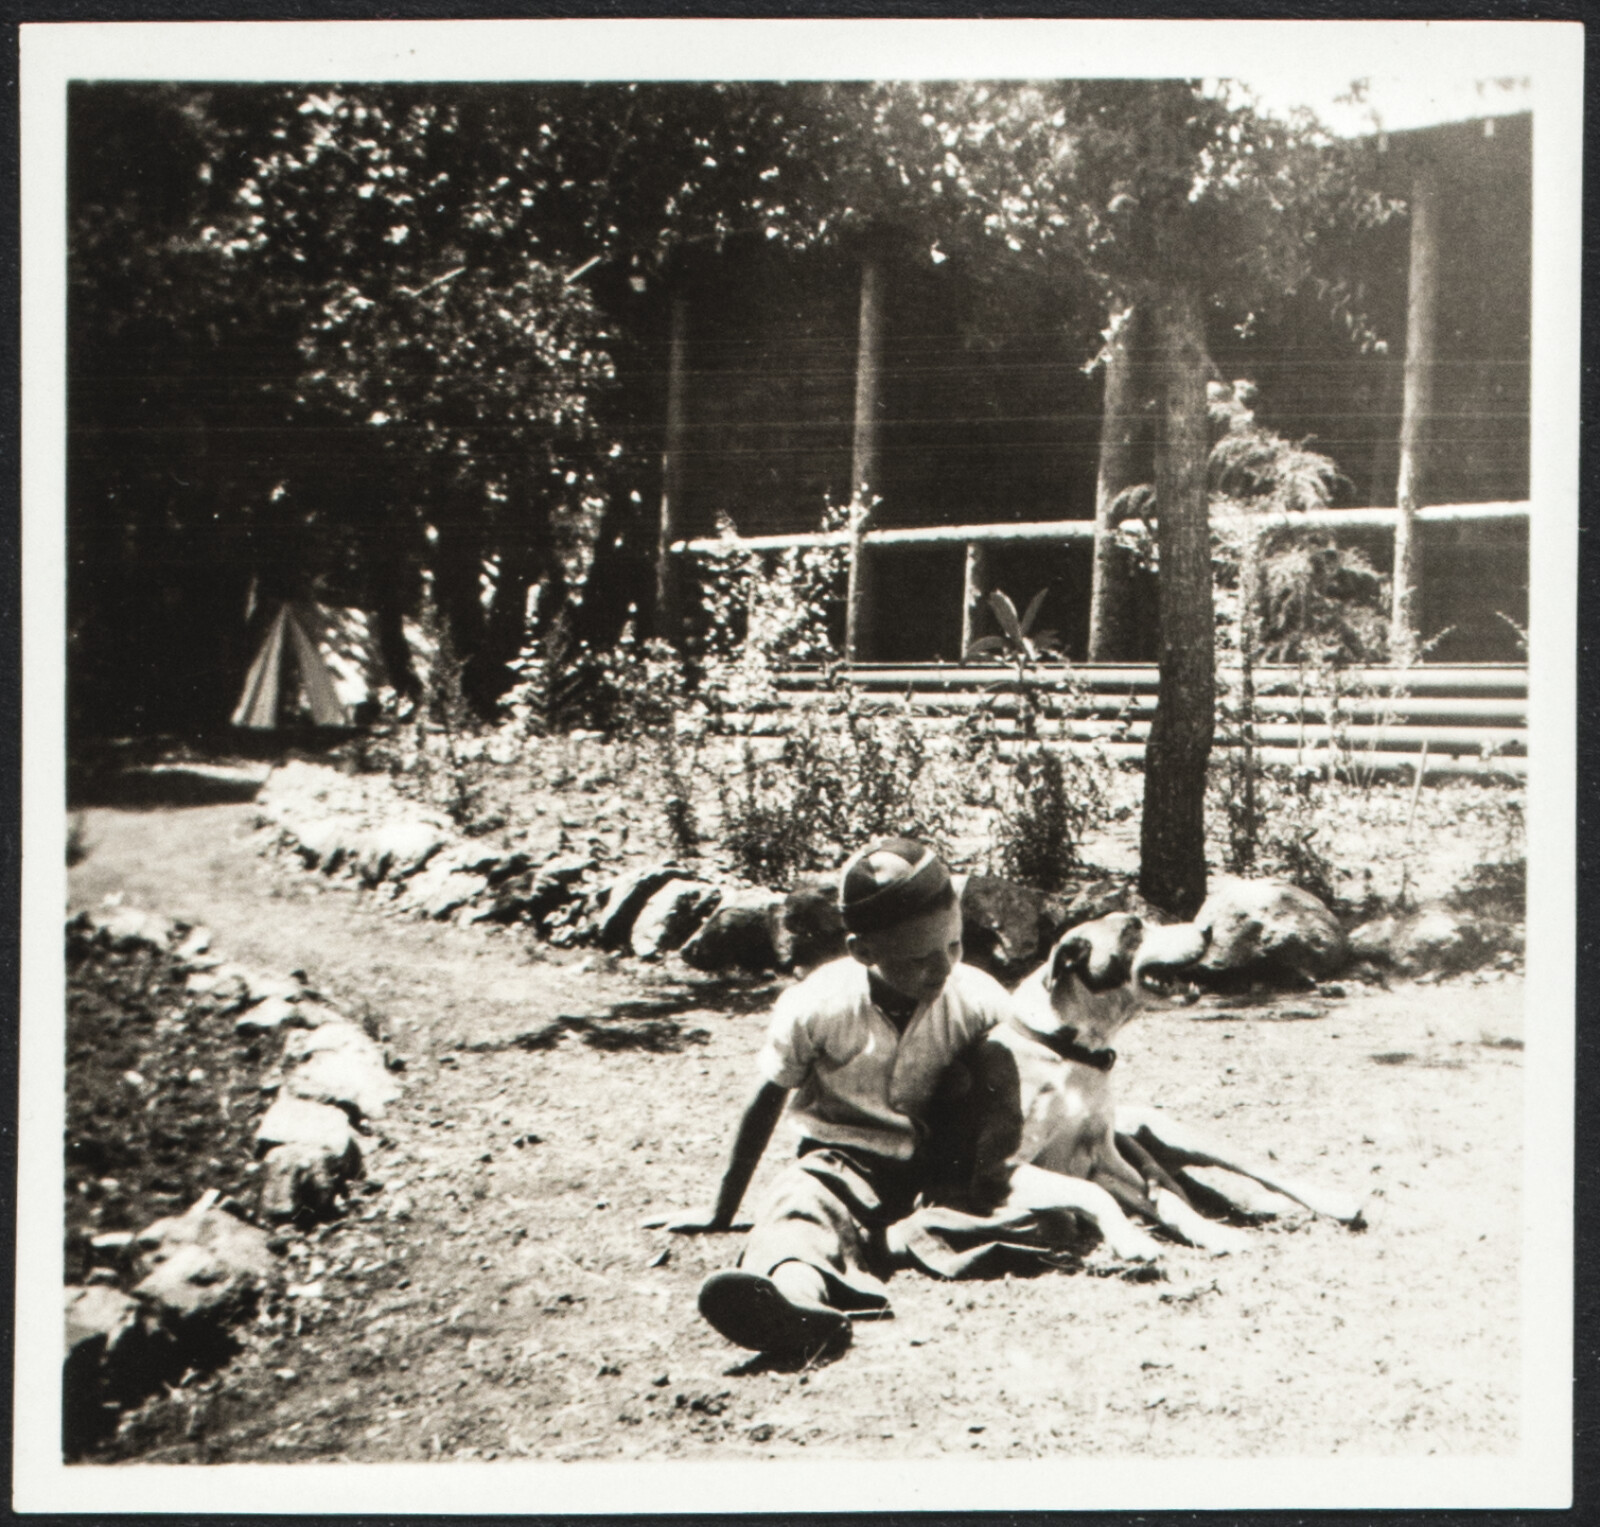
(1168,950)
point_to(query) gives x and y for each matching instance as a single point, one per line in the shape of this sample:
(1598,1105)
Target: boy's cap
(888,881)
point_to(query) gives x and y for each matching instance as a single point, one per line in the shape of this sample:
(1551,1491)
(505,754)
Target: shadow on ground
(166,785)
(203,769)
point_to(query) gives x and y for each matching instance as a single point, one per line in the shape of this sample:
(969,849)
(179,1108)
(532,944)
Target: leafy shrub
(845,772)
(847,769)
(884,762)
(1054,799)
(1286,593)
(438,756)
(1023,647)
(1238,796)
(646,707)
(1291,835)
(773,814)
(1320,603)
(1290,847)
(1049,798)
(762,613)
(559,683)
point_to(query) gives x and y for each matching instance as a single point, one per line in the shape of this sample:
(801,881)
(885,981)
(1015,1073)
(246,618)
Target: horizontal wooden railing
(1083,530)
(1449,719)
(864,545)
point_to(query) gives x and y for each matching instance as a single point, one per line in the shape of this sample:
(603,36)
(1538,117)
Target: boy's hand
(698,1224)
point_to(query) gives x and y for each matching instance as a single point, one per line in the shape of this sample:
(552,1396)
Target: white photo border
(1550,54)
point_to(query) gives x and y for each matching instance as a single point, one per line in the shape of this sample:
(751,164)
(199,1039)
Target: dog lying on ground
(1047,1134)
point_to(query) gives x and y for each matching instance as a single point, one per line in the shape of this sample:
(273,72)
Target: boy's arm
(755,1130)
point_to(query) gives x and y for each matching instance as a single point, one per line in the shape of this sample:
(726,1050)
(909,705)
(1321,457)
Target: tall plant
(1024,648)
(1290,592)
(1053,796)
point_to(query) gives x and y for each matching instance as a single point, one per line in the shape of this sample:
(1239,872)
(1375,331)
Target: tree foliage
(361,331)
(331,338)
(1187,201)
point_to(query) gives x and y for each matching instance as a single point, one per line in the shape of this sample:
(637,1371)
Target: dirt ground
(498,1297)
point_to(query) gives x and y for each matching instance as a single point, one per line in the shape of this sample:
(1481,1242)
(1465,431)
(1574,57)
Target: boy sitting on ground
(864,1045)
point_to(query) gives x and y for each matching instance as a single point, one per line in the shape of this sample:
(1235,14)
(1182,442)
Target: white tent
(290,635)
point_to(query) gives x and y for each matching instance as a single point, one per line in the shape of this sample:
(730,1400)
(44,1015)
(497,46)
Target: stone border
(361,828)
(165,1297)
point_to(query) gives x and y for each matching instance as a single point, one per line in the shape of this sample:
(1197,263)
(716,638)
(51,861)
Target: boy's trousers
(829,1209)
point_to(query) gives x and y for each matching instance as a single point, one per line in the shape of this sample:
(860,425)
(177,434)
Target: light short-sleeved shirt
(857,1080)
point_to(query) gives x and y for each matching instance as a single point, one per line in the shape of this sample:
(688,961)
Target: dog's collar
(1070,1049)
(1101,1060)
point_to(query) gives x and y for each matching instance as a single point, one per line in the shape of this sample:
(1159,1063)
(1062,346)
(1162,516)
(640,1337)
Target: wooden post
(669,598)
(974,592)
(1109,591)
(1246,835)
(864,461)
(1422,291)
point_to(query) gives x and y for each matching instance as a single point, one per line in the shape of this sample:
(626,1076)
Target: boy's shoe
(751,1311)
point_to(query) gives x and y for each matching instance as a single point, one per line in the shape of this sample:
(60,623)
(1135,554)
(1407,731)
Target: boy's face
(915,957)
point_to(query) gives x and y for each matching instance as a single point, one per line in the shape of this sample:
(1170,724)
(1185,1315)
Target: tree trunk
(392,589)
(505,625)
(387,534)
(1422,290)
(1110,593)
(393,647)
(457,594)
(669,597)
(1172,856)
(864,462)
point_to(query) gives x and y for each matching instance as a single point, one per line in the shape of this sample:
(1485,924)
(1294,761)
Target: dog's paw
(1133,1246)
(1349,1212)
(1351,1216)
(1219,1240)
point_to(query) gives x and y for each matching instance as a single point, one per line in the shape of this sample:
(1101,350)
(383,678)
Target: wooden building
(780,380)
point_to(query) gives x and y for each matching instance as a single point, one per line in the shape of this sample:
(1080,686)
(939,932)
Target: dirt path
(498,1299)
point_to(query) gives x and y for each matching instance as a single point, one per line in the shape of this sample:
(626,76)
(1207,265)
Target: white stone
(314,1013)
(346,1078)
(128,928)
(300,1044)
(263,986)
(439,890)
(98,1314)
(299,1121)
(300,1179)
(397,849)
(320,842)
(201,1263)
(195,944)
(265,1017)
(1437,939)
(627,896)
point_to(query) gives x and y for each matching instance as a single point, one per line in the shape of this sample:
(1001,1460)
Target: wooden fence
(868,544)
(1443,720)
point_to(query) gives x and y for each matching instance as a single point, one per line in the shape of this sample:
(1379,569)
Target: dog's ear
(1071,954)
